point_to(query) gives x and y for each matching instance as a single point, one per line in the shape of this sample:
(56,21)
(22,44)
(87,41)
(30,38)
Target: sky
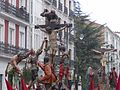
(103,12)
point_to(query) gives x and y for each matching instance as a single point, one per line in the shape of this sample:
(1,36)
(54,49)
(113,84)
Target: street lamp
(77,65)
(81,36)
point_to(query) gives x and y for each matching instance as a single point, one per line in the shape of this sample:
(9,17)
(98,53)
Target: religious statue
(12,66)
(52,27)
(33,61)
(51,19)
(49,76)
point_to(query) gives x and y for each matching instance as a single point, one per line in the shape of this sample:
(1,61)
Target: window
(30,39)
(11,36)
(13,2)
(70,53)
(106,36)
(1,81)
(66,35)
(22,3)
(22,39)
(113,40)
(36,41)
(1,33)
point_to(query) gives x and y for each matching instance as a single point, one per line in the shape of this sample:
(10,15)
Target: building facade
(112,41)
(14,26)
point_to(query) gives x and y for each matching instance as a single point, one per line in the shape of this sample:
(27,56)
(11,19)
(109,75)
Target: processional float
(49,47)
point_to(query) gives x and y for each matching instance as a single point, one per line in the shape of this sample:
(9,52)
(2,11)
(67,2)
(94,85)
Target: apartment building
(112,41)
(14,26)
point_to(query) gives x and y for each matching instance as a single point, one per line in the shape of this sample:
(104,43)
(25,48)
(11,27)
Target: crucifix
(52,26)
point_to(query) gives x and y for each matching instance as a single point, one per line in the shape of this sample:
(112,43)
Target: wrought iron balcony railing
(54,3)
(11,9)
(65,10)
(60,6)
(10,49)
(48,1)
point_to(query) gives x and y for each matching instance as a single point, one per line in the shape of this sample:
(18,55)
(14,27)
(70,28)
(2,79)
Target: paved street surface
(73,87)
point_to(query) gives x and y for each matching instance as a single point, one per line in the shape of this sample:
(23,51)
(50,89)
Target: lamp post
(77,66)
(81,36)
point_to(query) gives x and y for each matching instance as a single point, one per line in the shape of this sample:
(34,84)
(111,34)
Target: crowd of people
(113,81)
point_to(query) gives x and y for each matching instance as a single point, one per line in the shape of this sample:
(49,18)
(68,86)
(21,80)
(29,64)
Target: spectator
(113,79)
(22,10)
(89,79)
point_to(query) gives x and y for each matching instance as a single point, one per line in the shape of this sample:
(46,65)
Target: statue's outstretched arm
(39,51)
(26,54)
(60,28)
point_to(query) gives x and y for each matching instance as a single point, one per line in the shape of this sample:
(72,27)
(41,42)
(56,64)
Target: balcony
(12,10)
(65,10)
(71,13)
(48,1)
(60,6)
(54,3)
(10,49)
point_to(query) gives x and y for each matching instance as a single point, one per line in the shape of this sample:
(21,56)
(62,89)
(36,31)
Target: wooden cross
(52,27)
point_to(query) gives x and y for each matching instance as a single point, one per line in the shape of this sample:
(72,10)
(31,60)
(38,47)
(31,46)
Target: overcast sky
(103,11)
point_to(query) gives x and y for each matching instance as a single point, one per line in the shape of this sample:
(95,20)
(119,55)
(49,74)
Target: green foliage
(84,48)
(27,75)
(11,74)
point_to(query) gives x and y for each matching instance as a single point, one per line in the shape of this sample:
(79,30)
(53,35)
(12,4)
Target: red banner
(9,87)
(24,87)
